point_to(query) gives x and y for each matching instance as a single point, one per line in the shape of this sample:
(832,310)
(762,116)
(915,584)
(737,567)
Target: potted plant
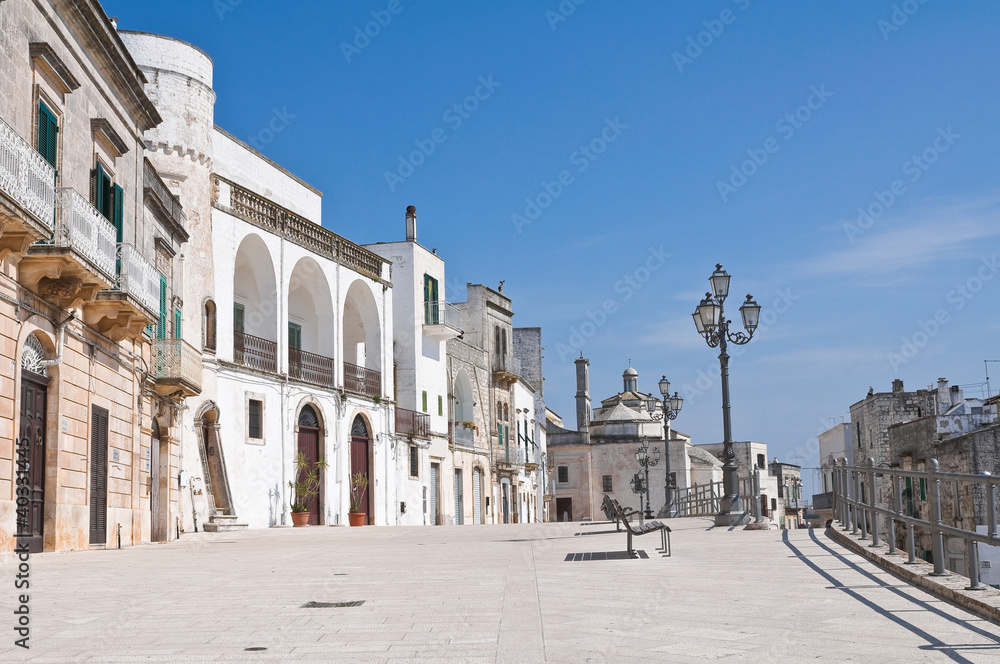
(304,488)
(469,424)
(359,482)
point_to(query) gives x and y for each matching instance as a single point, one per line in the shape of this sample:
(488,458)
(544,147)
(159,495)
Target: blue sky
(829,109)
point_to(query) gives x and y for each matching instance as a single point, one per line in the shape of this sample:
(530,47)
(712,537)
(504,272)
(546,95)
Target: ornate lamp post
(671,407)
(710,320)
(645,461)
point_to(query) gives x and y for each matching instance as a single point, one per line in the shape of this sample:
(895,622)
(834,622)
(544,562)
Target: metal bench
(608,507)
(622,515)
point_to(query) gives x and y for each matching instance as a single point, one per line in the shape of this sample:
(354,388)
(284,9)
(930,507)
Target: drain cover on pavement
(331,605)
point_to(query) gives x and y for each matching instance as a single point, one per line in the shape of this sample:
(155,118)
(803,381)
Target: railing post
(862,513)
(974,582)
(852,493)
(911,545)
(896,507)
(873,490)
(937,535)
(991,510)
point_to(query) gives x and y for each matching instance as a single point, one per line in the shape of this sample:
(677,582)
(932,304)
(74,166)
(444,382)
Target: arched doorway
(308,445)
(213,462)
(159,485)
(31,442)
(360,461)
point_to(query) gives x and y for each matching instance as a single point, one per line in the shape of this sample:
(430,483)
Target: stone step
(223,523)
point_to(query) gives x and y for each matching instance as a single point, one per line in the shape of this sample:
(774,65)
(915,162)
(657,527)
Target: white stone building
(293,321)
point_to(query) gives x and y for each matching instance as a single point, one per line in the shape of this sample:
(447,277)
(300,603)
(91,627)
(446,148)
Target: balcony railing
(361,380)
(440,312)
(26,177)
(138,278)
(411,422)
(310,367)
(463,436)
(254,352)
(504,363)
(177,362)
(80,227)
(266,214)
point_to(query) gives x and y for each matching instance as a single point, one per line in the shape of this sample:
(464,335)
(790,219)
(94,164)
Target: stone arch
(464,405)
(362,333)
(209,325)
(255,288)
(215,478)
(362,455)
(159,481)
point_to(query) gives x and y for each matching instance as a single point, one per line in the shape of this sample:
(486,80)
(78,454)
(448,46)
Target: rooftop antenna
(986,364)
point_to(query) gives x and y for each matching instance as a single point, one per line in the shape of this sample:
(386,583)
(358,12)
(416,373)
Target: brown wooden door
(564,509)
(31,517)
(309,446)
(99,477)
(360,463)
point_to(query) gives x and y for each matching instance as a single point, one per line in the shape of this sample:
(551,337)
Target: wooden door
(360,463)
(459,498)
(32,440)
(154,486)
(99,476)
(309,446)
(433,516)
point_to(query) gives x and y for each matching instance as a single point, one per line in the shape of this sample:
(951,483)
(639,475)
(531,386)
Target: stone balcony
(506,368)
(176,368)
(27,194)
(132,303)
(79,260)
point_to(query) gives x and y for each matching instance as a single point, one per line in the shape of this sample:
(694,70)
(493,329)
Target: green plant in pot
(305,487)
(359,482)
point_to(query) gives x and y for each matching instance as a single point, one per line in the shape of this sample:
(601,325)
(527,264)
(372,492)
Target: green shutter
(161,327)
(295,336)
(238,315)
(425,401)
(431,313)
(48,130)
(440,405)
(100,191)
(177,323)
(118,210)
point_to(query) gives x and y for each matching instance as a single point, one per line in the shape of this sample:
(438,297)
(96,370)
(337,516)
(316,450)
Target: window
(255,412)
(440,405)
(177,323)
(431,308)
(499,411)
(563,474)
(506,413)
(414,461)
(209,331)
(763,504)
(606,480)
(48,131)
(295,336)
(424,400)
(161,324)
(761,462)
(239,313)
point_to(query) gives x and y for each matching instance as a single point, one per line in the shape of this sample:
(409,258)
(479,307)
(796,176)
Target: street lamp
(671,407)
(645,461)
(711,323)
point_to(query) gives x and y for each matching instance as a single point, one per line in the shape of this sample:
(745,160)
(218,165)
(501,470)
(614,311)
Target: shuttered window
(424,401)
(101,192)
(440,405)
(563,474)
(161,325)
(99,476)
(238,314)
(117,211)
(177,323)
(48,131)
(295,336)
(414,461)
(254,411)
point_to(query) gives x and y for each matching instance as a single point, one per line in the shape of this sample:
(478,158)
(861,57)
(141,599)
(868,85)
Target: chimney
(583,397)
(943,398)
(411,223)
(957,396)
(897,386)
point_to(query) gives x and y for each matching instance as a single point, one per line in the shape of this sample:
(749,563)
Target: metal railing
(138,278)
(270,216)
(175,359)
(26,177)
(411,422)
(361,380)
(80,227)
(705,499)
(875,499)
(439,312)
(255,352)
(463,436)
(507,364)
(310,367)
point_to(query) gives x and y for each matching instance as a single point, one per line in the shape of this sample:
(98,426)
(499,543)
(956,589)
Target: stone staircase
(223,523)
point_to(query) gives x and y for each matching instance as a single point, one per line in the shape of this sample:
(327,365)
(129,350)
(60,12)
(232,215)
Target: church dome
(630,372)
(631,380)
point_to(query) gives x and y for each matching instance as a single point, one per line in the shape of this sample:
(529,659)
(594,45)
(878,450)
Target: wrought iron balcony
(410,422)
(361,380)
(79,260)
(27,193)
(310,367)
(176,367)
(134,301)
(442,320)
(463,436)
(255,352)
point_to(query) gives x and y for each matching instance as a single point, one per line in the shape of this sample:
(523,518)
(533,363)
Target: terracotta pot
(300,519)
(356,518)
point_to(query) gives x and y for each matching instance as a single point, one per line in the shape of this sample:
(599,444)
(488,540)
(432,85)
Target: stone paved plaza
(517,593)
